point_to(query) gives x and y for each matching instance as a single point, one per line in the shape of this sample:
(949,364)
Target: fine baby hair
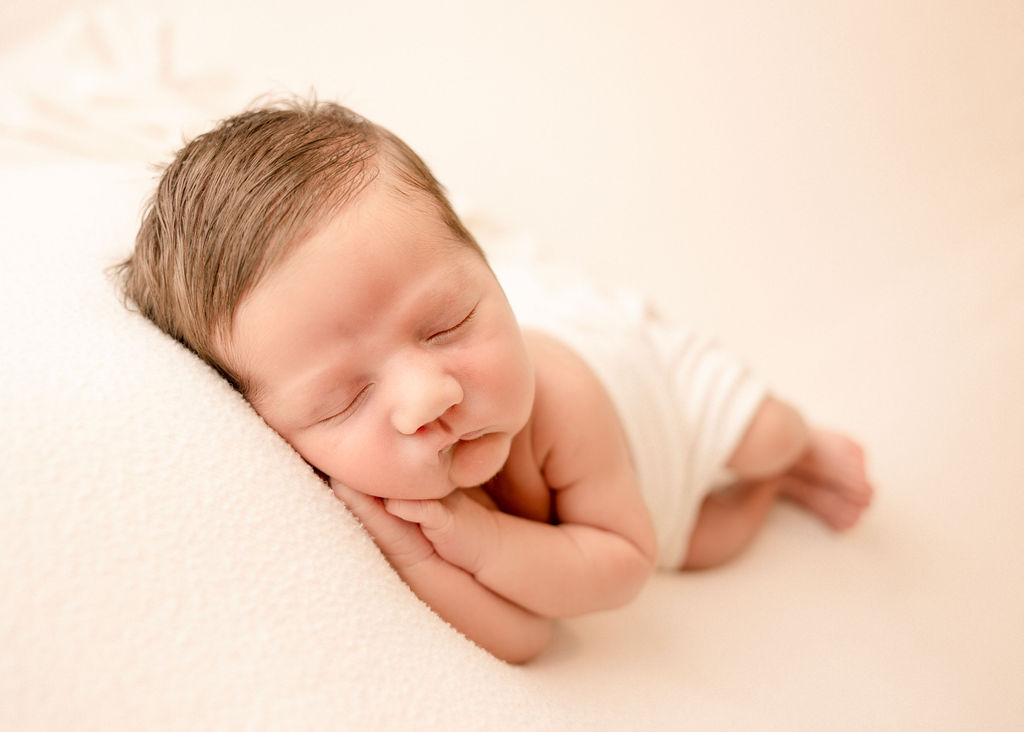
(237,199)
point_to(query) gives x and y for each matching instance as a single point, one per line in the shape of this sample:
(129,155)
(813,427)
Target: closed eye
(349,410)
(442,335)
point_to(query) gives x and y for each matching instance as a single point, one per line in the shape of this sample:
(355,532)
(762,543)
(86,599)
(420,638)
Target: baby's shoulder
(563,377)
(574,420)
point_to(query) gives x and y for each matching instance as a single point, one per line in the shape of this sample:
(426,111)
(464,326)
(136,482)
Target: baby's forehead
(393,200)
(387,217)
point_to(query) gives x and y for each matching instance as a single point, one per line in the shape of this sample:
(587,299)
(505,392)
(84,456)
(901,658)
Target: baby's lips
(465,437)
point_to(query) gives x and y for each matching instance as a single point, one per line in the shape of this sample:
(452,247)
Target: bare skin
(488,462)
(829,480)
(823,471)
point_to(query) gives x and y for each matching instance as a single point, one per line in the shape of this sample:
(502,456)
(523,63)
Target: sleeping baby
(512,470)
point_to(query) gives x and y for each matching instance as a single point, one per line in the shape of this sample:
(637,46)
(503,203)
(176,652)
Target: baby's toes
(829,505)
(845,516)
(836,460)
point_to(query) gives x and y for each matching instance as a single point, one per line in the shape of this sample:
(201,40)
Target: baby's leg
(728,521)
(780,455)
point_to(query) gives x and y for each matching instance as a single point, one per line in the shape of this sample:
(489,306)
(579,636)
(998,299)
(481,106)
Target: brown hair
(238,198)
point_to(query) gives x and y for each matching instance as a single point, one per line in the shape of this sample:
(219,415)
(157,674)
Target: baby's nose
(423,394)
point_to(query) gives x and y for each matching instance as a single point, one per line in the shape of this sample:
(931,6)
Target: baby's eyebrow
(445,292)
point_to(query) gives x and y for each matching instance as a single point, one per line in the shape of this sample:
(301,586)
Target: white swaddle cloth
(684,402)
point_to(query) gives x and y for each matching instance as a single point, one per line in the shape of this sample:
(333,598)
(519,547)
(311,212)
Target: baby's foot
(830,479)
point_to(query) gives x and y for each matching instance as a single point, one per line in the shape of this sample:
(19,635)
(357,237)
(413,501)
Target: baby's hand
(461,530)
(402,543)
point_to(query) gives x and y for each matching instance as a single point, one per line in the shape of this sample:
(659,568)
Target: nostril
(435,425)
(423,404)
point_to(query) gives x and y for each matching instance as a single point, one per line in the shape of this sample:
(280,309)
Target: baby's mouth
(473,435)
(466,437)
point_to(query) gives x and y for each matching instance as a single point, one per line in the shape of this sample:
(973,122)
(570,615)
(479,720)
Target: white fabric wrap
(684,402)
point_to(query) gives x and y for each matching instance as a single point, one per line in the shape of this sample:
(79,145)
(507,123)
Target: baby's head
(237,199)
(311,257)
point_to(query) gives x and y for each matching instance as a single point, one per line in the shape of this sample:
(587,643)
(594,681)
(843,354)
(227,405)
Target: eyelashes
(444,335)
(440,338)
(351,408)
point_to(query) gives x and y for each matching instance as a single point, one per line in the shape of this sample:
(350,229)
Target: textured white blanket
(168,560)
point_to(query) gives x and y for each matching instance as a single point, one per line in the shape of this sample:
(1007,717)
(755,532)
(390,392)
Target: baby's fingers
(430,515)
(401,542)
(368,509)
(461,530)
(358,503)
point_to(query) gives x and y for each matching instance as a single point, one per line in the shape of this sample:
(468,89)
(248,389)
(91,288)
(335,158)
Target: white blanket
(169,561)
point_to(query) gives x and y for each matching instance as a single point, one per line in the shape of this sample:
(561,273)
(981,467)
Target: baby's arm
(601,550)
(552,570)
(501,627)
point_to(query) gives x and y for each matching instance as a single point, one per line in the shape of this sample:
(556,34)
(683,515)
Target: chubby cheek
(369,460)
(506,374)
(337,451)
